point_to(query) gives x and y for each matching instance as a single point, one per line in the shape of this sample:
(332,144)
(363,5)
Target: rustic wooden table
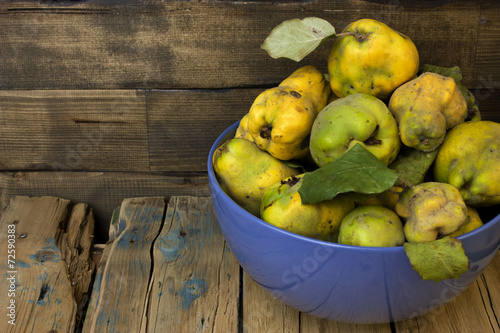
(168,268)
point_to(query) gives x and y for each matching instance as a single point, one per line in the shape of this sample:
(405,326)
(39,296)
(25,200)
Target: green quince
(357,118)
(376,226)
(244,171)
(282,207)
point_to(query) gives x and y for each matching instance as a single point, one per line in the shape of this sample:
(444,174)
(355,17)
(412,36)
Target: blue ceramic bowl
(339,282)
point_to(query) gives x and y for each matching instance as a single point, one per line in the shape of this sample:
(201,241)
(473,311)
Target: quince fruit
(244,171)
(370,57)
(431,210)
(280,118)
(242,130)
(472,223)
(469,159)
(371,226)
(425,108)
(282,207)
(357,118)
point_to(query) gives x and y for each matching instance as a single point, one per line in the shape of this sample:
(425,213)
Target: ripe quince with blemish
(280,118)
(371,57)
(282,207)
(244,171)
(431,210)
(425,108)
(357,118)
(310,82)
(469,159)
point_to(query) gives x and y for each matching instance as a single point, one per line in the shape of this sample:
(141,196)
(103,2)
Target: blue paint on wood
(122,223)
(191,290)
(22,264)
(48,253)
(44,296)
(144,222)
(171,245)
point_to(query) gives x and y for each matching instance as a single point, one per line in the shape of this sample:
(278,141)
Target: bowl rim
(394,249)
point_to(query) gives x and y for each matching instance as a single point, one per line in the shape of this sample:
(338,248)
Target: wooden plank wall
(103,100)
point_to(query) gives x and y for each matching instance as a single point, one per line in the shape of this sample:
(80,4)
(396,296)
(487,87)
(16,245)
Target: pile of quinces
(375,95)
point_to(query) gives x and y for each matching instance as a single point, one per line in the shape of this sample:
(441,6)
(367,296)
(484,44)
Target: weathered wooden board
(194,285)
(312,324)
(121,299)
(485,82)
(181,275)
(469,312)
(490,291)
(73,130)
(103,191)
(115,130)
(263,313)
(183,125)
(178,44)
(76,245)
(48,274)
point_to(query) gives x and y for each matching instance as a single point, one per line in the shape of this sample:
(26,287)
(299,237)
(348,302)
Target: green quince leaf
(296,38)
(438,260)
(357,170)
(453,72)
(412,165)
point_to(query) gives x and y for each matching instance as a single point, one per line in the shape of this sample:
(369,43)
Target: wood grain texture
(73,130)
(213,44)
(48,289)
(103,191)
(471,311)
(115,130)
(264,313)
(489,289)
(312,324)
(184,124)
(190,279)
(76,245)
(194,285)
(486,78)
(125,279)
